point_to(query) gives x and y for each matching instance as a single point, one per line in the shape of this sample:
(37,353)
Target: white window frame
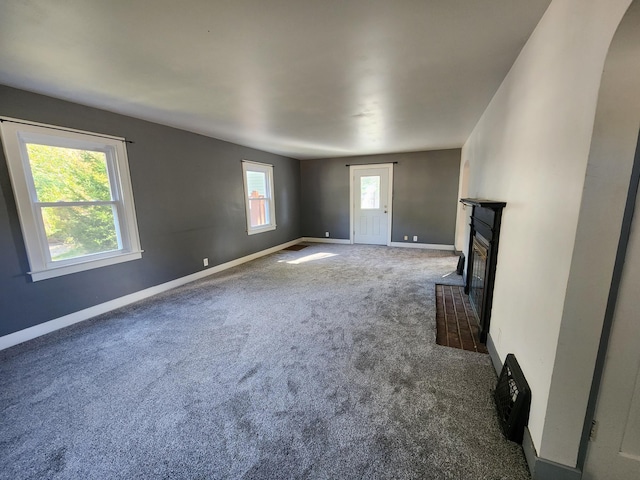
(249,166)
(15,135)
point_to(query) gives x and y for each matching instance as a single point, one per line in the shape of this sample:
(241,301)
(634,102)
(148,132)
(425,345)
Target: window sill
(86,265)
(268,228)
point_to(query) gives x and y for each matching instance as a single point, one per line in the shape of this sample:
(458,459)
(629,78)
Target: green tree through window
(74,176)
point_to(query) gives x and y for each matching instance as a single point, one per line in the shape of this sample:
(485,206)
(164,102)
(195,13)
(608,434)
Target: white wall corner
(549,121)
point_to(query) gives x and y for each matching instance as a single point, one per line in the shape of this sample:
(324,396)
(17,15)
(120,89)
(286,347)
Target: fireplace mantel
(484,236)
(481,202)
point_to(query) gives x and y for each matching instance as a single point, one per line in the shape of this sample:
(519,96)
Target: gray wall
(425,189)
(189,202)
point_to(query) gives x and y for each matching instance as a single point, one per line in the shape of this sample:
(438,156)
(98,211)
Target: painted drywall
(462,222)
(530,149)
(189,201)
(611,155)
(324,195)
(425,189)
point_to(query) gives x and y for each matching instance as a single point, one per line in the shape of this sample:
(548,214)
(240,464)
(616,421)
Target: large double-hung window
(74,198)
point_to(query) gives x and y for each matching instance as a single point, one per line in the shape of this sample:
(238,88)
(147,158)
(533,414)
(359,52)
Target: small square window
(258,187)
(74,198)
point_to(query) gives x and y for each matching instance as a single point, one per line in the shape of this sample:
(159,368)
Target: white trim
(15,136)
(267,170)
(81,267)
(258,163)
(30,333)
(267,228)
(428,246)
(56,127)
(352,169)
(326,240)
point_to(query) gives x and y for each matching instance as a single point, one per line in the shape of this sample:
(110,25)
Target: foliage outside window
(258,187)
(370,192)
(74,198)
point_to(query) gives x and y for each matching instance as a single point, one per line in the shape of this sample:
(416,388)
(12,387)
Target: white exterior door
(614,452)
(371,204)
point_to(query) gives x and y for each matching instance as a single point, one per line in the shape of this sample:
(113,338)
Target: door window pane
(370,192)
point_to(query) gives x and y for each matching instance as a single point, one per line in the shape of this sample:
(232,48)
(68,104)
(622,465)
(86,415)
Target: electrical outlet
(415,238)
(205,262)
(406,237)
(326,234)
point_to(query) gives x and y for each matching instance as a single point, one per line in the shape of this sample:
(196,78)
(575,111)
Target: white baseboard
(428,246)
(30,333)
(326,240)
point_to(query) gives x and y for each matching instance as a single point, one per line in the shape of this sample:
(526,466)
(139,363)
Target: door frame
(352,205)
(609,315)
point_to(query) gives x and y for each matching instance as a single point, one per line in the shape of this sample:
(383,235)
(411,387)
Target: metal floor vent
(513,399)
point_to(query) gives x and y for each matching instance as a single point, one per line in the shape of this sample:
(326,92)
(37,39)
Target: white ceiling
(304,78)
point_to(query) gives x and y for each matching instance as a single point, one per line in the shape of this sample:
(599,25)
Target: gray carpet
(317,364)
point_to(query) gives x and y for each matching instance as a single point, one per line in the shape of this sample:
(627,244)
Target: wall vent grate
(513,399)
